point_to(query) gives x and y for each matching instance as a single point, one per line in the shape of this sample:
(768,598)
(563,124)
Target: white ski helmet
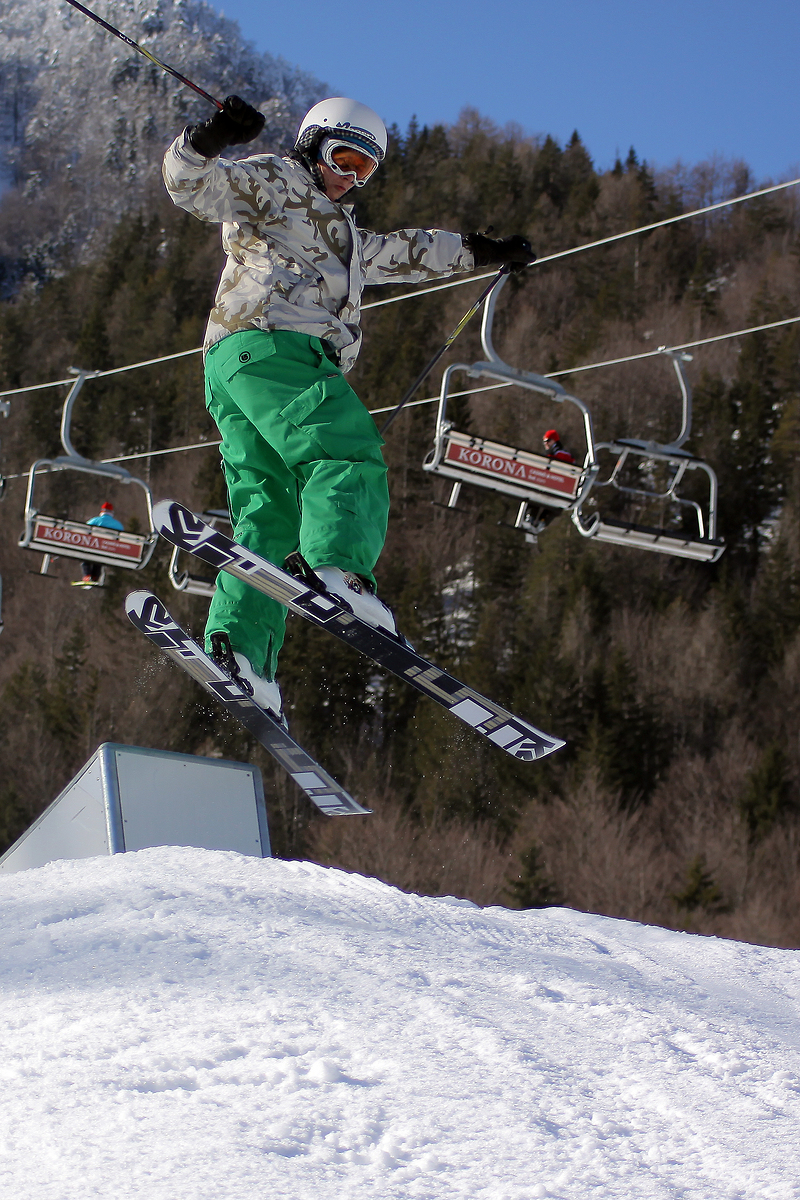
(344,119)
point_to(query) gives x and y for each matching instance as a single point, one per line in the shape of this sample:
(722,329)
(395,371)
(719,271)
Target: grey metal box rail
(128,798)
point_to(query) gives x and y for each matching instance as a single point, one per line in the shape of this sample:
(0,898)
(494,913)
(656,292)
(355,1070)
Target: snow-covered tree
(84,119)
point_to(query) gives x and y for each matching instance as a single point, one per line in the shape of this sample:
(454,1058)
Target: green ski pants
(303,464)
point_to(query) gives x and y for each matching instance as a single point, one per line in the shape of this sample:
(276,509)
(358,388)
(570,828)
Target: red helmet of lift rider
(553,447)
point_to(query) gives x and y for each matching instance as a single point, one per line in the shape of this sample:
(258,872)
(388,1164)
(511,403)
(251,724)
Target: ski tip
(531,746)
(143,607)
(346,808)
(134,600)
(555,744)
(529,750)
(516,737)
(161,512)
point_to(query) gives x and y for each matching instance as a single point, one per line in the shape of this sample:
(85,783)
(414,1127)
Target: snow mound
(194,1024)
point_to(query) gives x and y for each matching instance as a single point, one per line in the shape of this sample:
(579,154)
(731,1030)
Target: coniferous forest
(675,683)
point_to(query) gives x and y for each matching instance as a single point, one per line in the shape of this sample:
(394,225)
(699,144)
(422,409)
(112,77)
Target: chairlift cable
(614,237)
(148,362)
(720,337)
(611,362)
(203,445)
(444,286)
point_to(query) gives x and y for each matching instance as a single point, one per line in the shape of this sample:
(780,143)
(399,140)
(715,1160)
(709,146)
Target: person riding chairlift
(554,449)
(92,571)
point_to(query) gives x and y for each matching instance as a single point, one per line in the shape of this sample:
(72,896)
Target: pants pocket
(331,413)
(238,351)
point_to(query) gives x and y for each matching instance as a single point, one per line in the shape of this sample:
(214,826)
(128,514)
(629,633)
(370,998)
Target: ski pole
(129,42)
(467,317)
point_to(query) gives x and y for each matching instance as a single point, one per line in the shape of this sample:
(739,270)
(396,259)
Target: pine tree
(768,795)
(532,887)
(700,891)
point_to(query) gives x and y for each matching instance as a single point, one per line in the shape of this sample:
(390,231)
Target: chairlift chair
(57,537)
(185,581)
(538,482)
(704,545)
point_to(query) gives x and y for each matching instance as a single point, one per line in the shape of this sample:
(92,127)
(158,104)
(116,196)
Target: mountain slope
(84,119)
(181,1022)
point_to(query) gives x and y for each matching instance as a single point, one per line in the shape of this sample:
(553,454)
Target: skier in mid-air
(301,454)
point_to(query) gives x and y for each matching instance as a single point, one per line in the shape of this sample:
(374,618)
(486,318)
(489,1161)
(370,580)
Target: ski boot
(357,592)
(266,693)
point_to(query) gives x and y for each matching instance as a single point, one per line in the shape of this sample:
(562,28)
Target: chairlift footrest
(663,541)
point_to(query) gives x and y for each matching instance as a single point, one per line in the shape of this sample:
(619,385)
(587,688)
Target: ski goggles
(346,159)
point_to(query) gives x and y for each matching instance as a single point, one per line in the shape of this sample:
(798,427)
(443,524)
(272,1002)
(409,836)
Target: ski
(154,620)
(184,529)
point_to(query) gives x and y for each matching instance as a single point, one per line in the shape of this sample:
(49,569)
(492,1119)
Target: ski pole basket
(538,482)
(696,539)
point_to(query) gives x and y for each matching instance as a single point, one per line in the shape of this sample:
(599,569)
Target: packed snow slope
(184,1024)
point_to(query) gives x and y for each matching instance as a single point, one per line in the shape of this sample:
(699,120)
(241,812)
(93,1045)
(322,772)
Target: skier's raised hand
(236,122)
(487,252)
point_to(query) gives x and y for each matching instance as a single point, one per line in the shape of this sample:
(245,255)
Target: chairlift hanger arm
(678,359)
(497,368)
(69,404)
(497,281)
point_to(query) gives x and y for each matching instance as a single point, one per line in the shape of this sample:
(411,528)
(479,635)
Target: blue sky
(683,79)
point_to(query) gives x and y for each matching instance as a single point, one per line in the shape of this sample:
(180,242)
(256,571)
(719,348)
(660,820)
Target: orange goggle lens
(349,160)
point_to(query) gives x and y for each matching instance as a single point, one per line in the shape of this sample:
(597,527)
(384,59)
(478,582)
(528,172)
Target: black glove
(236,122)
(488,252)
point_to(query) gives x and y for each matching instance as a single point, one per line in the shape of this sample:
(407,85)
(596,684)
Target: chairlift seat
(535,480)
(655,449)
(91,543)
(534,477)
(664,541)
(185,581)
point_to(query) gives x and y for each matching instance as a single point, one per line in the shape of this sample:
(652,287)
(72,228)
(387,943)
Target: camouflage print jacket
(295,259)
